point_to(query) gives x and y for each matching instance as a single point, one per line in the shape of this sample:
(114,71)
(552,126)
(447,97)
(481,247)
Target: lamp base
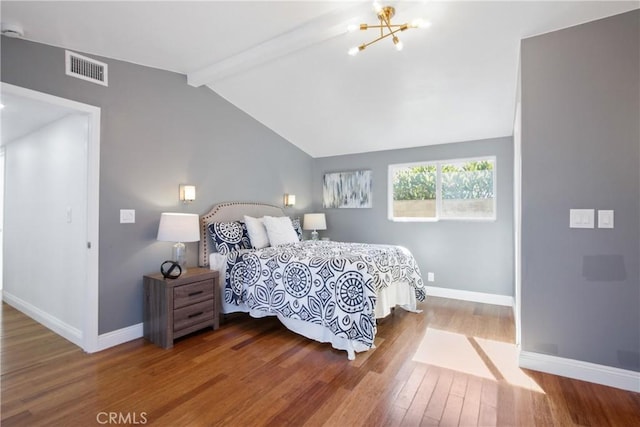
(314,235)
(179,255)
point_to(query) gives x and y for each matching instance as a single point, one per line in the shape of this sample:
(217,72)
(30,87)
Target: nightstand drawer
(177,307)
(193,293)
(193,314)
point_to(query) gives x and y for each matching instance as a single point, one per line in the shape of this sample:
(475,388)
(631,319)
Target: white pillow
(257,232)
(280,230)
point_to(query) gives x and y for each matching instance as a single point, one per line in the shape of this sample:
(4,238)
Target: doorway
(1,208)
(50,225)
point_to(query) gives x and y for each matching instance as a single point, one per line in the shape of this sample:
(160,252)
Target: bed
(330,292)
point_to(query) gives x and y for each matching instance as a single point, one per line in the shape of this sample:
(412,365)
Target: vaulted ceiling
(285,62)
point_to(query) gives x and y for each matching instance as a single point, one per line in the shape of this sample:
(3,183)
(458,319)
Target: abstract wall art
(347,189)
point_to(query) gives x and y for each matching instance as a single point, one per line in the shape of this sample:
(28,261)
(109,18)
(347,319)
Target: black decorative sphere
(170,269)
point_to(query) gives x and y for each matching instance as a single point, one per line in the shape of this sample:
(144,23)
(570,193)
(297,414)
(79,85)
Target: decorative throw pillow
(229,236)
(257,232)
(280,230)
(297,227)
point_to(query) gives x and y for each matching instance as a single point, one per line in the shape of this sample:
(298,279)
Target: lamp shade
(314,221)
(179,227)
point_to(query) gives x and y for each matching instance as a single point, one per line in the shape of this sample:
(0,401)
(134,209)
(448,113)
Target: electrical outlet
(127,216)
(431,277)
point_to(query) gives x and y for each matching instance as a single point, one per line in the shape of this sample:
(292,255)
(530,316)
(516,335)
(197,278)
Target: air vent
(86,68)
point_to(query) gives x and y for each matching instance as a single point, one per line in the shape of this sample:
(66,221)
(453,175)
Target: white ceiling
(285,62)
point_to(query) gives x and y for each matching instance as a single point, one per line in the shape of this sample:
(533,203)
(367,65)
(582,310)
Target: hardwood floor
(253,372)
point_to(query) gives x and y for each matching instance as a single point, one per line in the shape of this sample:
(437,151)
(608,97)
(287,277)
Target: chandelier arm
(387,22)
(384,26)
(380,38)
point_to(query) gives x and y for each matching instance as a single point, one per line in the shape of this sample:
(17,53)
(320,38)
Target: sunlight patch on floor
(505,357)
(451,351)
(474,356)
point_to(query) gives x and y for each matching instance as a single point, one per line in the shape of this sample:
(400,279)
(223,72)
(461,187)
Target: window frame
(438,164)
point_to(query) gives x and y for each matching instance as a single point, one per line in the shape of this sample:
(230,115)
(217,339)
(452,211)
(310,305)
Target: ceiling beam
(323,28)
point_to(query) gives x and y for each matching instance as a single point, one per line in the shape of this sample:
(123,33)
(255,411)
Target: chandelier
(387,29)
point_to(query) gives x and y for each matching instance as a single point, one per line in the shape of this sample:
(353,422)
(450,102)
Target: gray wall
(464,255)
(581,149)
(158,132)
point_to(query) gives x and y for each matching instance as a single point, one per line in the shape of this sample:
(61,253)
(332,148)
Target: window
(448,189)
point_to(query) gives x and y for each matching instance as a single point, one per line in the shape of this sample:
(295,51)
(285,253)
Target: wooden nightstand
(177,307)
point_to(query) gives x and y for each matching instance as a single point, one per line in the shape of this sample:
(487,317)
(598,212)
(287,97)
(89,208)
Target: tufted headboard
(229,211)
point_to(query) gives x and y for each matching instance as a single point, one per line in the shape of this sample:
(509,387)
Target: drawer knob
(195,293)
(195,314)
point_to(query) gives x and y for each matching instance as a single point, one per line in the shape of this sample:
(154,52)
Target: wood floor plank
(523,407)
(459,385)
(438,400)
(301,408)
(254,372)
(452,411)
(557,404)
(352,412)
(505,405)
(411,386)
(471,404)
(383,406)
(616,404)
(542,410)
(488,403)
(326,410)
(416,411)
(395,416)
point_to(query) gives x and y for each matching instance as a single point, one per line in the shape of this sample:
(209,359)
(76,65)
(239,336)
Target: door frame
(91,305)
(517,221)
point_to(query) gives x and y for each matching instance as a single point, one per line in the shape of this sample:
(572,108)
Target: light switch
(581,218)
(127,216)
(605,219)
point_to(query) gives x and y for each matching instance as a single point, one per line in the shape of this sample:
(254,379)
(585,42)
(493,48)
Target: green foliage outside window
(468,180)
(415,183)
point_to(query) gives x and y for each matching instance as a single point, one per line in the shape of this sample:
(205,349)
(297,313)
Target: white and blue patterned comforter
(332,284)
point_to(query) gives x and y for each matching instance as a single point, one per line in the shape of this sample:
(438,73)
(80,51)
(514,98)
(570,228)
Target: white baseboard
(579,370)
(61,328)
(120,336)
(470,296)
(110,339)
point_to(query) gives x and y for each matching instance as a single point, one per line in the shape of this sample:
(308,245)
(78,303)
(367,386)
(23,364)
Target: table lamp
(314,221)
(179,228)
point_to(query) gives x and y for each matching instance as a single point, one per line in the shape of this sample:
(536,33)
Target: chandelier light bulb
(353,51)
(377,6)
(353,27)
(398,43)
